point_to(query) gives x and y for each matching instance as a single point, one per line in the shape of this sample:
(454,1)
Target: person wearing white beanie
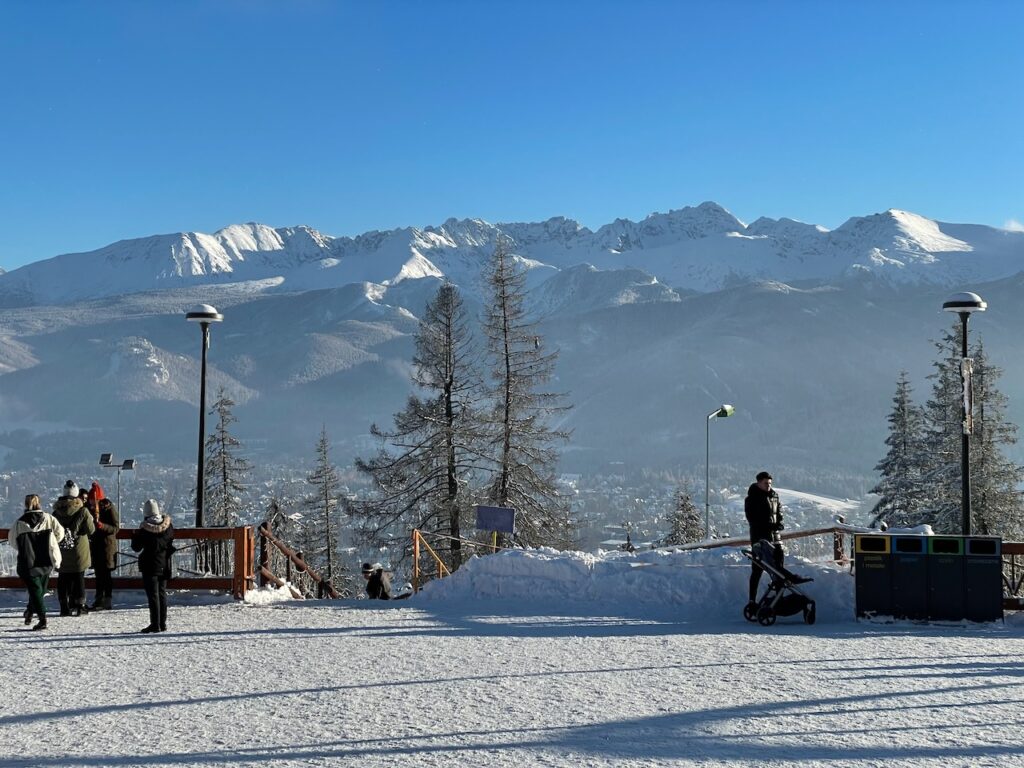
(154,543)
(76,557)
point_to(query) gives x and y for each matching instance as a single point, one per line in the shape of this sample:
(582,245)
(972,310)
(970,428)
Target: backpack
(33,551)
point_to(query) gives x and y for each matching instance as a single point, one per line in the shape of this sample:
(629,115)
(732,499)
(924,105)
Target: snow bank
(706,586)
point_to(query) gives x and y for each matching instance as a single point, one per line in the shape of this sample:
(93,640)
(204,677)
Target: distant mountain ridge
(701,248)
(656,322)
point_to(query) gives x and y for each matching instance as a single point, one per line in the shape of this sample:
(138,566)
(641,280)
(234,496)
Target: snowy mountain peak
(904,231)
(699,248)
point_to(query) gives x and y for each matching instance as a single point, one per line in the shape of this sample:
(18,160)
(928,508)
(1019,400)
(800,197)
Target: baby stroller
(783,597)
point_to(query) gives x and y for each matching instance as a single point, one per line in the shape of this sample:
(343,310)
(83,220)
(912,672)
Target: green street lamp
(721,413)
(963,304)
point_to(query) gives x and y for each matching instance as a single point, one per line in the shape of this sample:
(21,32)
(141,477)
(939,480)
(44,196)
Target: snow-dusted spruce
(522,441)
(943,430)
(901,486)
(685,521)
(425,469)
(995,503)
(320,537)
(226,479)
(995,480)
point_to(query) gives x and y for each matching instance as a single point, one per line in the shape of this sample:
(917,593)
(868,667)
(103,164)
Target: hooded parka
(78,524)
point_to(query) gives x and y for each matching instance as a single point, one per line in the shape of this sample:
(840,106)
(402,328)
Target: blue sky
(122,120)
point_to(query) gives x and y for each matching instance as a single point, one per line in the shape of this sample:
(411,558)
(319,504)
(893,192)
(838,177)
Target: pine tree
(426,483)
(995,500)
(321,531)
(685,521)
(941,491)
(227,471)
(900,487)
(522,442)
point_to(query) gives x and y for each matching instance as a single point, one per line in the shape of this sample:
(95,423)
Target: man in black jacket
(764,515)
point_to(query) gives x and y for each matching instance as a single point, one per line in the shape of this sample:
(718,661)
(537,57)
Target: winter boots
(27,616)
(101,604)
(40,625)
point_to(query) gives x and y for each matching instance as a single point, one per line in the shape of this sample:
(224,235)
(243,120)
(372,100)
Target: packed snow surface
(519,659)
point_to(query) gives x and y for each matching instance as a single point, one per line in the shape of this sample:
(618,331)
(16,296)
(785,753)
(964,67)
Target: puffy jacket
(36,534)
(764,514)
(104,541)
(78,525)
(154,543)
(378,586)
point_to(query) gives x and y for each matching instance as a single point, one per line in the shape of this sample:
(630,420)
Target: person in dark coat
(103,545)
(76,559)
(154,543)
(378,583)
(36,535)
(764,516)
(763,510)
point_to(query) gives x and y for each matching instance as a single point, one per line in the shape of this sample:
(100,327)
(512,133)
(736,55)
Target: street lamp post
(723,412)
(107,460)
(964,304)
(203,314)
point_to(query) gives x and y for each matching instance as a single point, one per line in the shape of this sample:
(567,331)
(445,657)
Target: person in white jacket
(36,536)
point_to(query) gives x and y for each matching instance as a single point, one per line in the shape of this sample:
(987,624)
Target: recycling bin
(946,578)
(873,570)
(983,578)
(910,577)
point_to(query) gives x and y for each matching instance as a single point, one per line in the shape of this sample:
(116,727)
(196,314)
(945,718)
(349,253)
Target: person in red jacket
(103,545)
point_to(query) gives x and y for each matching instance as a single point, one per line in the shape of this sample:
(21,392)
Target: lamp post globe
(963,304)
(204,314)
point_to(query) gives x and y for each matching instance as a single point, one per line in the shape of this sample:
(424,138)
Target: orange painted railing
(418,542)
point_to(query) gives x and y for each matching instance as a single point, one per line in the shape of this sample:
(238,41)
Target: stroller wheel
(810,614)
(766,617)
(750,611)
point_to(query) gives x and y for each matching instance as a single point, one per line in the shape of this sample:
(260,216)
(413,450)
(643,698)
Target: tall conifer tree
(995,480)
(901,486)
(523,440)
(426,467)
(322,504)
(227,470)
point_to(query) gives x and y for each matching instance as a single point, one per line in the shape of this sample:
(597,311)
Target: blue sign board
(500,519)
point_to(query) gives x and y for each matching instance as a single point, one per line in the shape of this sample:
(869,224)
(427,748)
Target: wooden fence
(214,558)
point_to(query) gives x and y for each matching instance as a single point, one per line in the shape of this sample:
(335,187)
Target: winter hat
(151,512)
(96,493)
(367,568)
(763,476)
(71,489)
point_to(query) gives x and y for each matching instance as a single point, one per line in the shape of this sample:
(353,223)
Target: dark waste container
(910,577)
(873,570)
(946,578)
(983,578)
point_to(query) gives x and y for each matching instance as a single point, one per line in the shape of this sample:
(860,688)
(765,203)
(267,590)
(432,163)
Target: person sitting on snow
(378,583)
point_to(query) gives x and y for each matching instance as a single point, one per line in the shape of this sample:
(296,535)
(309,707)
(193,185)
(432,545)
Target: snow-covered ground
(520,659)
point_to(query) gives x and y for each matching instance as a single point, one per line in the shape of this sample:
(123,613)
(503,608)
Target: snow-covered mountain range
(657,323)
(700,248)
